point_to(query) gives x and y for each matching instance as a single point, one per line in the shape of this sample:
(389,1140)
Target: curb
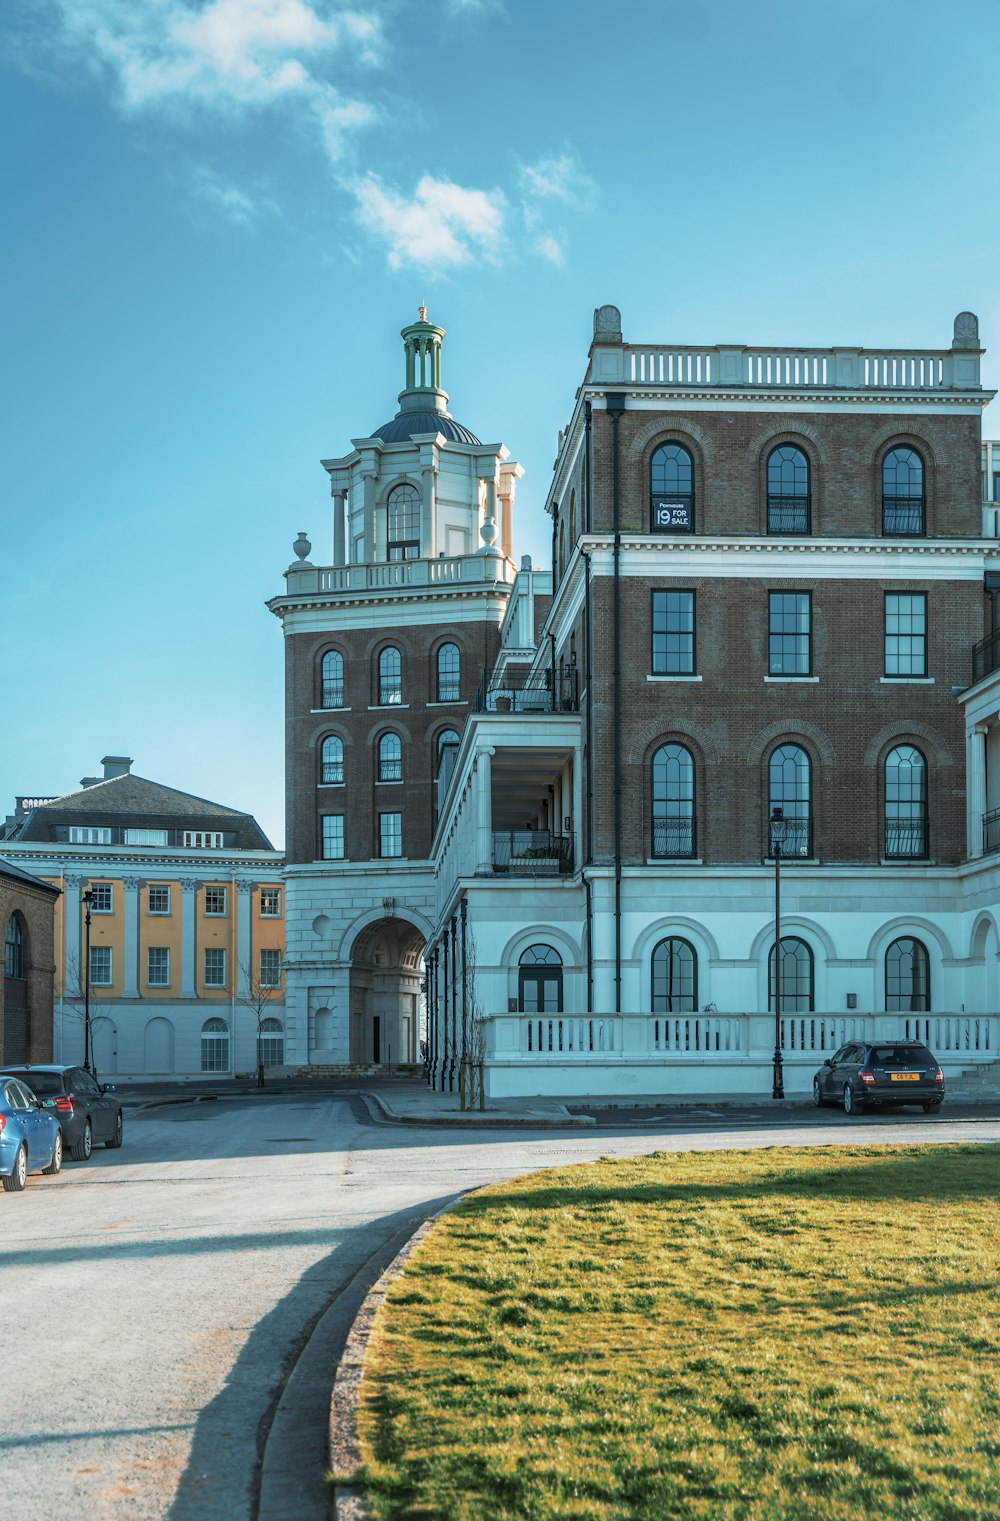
(344,1449)
(466,1119)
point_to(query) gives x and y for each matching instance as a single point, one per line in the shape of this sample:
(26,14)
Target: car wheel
(56,1164)
(116,1139)
(931,1108)
(851,1105)
(85,1145)
(817,1093)
(17,1179)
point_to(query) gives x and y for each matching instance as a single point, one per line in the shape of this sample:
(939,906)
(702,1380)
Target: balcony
(517,691)
(906,838)
(797,839)
(986,656)
(532,852)
(674,837)
(991,832)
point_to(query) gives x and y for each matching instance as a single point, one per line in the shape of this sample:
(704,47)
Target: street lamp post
(88,898)
(777,825)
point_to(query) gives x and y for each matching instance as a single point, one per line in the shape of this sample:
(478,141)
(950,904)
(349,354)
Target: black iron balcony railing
(991,832)
(788,514)
(986,656)
(515,692)
(532,852)
(674,837)
(797,838)
(902,517)
(906,839)
(333,694)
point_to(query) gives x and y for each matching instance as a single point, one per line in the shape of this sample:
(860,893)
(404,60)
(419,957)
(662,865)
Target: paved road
(155,1299)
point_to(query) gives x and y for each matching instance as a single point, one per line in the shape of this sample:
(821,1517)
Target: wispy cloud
(557,177)
(235,204)
(441,226)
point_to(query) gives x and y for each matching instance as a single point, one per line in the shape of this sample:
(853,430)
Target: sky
(218,214)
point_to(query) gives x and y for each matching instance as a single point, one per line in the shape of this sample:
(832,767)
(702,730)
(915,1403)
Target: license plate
(905,1077)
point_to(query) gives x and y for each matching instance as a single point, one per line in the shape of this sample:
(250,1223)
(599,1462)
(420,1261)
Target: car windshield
(901,1056)
(42,1083)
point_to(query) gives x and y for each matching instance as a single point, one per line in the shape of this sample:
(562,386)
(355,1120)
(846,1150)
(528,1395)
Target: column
(243,909)
(484,810)
(577,811)
(72,964)
(340,528)
(130,987)
(977,789)
(428,513)
(189,939)
(369,480)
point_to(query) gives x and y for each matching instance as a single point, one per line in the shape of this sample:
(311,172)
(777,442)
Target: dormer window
(403,523)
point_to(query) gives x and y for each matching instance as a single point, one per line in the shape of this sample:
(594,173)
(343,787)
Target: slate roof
(130,797)
(405,424)
(8,869)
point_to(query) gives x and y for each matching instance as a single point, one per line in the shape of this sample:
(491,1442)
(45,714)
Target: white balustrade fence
(862,369)
(947,1033)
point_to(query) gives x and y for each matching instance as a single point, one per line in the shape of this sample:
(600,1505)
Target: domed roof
(405,424)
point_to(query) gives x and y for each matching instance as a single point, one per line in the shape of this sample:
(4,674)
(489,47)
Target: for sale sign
(671,517)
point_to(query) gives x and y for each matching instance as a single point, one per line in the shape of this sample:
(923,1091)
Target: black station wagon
(880,1074)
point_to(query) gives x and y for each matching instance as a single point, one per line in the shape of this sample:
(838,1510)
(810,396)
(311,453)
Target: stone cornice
(759,397)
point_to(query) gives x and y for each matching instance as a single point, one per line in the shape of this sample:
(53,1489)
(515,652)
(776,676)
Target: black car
(87,1110)
(880,1073)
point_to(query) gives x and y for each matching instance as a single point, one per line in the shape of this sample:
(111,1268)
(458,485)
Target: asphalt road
(155,1300)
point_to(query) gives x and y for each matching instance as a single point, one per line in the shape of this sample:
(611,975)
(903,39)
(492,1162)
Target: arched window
(449,673)
(905,803)
(447,755)
(331,765)
(787,490)
(675,978)
(797,996)
(390,758)
(790,789)
(333,680)
(271,1043)
(390,676)
(215,1046)
(402,523)
(13,948)
(540,981)
(903,499)
(671,485)
(673,802)
(907,977)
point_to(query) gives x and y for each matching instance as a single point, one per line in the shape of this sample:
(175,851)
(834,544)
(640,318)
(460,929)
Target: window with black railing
(906,823)
(332,680)
(671,485)
(390,676)
(790,789)
(332,761)
(673,808)
(788,491)
(449,673)
(903,493)
(390,758)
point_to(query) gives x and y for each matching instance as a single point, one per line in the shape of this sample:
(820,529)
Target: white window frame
(202,839)
(101,981)
(146,837)
(214,951)
(270,894)
(158,982)
(270,976)
(158,887)
(86,834)
(216,913)
(107,892)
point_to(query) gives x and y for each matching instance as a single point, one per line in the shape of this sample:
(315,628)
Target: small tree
(256,991)
(75,1002)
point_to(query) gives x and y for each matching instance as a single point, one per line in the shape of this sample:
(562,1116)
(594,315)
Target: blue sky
(219,213)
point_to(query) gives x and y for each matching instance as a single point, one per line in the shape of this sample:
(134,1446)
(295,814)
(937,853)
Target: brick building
(768,579)
(185,925)
(385,648)
(27,915)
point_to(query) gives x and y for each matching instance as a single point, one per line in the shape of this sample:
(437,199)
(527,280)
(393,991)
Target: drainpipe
(588,781)
(615,402)
(555,546)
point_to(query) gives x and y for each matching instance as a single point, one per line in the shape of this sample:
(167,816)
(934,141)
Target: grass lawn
(758,1334)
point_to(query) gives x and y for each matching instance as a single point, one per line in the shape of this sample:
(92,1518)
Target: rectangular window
(100,966)
(159,900)
(102,899)
(270,968)
(85,835)
(673,633)
(906,633)
(215,967)
(996,485)
(145,837)
(158,967)
(270,903)
(333,837)
(789,634)
(215,901)
(202,839)
(390,834)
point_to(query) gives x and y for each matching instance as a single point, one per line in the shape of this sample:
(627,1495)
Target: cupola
(423,405)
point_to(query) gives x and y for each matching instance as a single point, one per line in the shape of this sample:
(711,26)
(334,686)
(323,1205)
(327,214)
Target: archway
(387,1005)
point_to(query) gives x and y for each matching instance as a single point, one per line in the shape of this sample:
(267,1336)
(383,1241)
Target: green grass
(778,1334)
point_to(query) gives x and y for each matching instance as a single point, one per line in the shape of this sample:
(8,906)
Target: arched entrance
(387,975)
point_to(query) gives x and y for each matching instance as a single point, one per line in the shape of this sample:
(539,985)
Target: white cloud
(226,55)
(235,204)
(443,225)
(558,177)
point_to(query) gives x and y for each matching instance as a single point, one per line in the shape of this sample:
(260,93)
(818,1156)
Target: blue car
(30,1137)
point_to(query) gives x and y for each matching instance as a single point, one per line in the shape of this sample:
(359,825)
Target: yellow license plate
(905,1077)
